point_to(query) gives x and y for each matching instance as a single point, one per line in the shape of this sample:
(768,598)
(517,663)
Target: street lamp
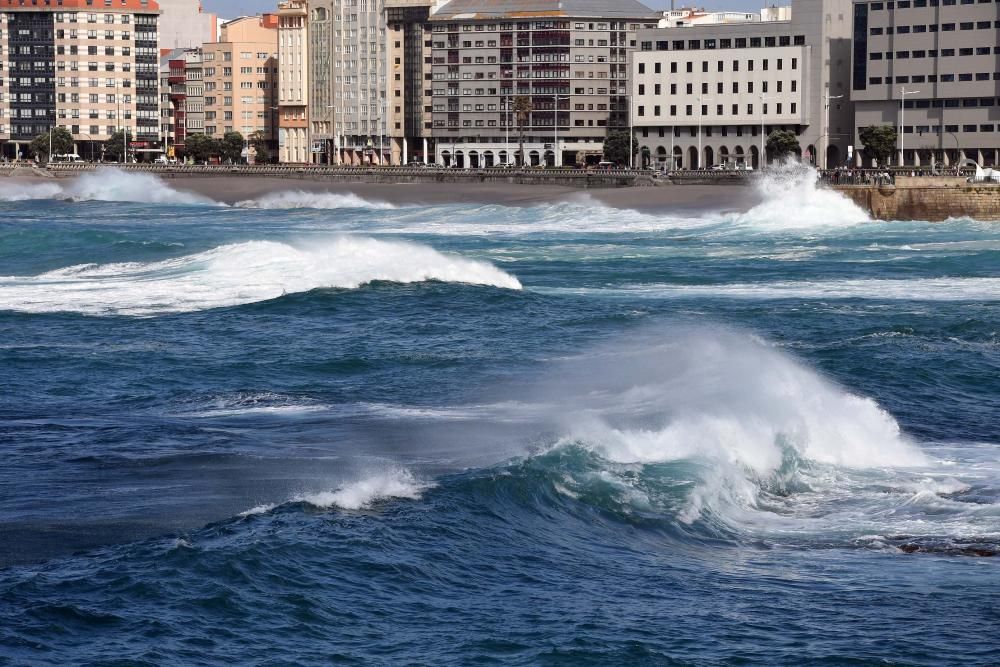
(700,100)
(826,106)
(903,92)
(557,156)
(763,148)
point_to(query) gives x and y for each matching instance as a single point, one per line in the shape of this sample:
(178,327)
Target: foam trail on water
(371,489)
(919,289)
(793,200)
(237,274)
(291,199)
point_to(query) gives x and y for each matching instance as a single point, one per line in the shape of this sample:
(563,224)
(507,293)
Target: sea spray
(794,200)
(391,483)
(239,273)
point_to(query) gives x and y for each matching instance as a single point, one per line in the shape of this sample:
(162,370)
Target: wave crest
(292,199)
(237,274)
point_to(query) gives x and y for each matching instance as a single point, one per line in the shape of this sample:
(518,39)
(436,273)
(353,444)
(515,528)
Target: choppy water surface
(316,429)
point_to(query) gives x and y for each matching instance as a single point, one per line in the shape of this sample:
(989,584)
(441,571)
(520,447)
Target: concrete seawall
(934,198)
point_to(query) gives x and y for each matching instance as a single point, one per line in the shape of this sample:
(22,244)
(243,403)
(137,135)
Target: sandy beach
(231,188)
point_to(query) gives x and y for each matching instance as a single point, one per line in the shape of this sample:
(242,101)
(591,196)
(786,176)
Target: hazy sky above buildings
(232,8)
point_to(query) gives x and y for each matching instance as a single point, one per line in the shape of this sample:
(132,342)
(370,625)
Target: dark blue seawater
(312,429)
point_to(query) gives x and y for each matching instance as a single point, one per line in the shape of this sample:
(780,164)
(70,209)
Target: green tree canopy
(879,142)
(114,148)
(62,143)
(781,143)
(616,147)
(200,147)
(258,139)
(231,147)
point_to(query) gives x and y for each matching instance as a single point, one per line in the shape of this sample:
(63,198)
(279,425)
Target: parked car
(163,159)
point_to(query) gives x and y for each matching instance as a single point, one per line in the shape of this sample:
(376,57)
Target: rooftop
(512,9)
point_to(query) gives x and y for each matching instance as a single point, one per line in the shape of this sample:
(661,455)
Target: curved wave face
(238,274)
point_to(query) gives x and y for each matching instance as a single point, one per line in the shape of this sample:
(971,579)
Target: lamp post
(700,100)
(903,92)
(631,153)
(763,148)
(826,121)
(557,156)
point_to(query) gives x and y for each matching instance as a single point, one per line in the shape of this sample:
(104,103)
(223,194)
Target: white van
(68,157)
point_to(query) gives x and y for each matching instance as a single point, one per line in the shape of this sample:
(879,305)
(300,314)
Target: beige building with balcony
(240,78)
(294,146)
(91,69)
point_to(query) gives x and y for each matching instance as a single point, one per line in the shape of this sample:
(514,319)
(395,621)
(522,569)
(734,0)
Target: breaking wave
(106,184)
(392,483)
(236,274)
(793,200)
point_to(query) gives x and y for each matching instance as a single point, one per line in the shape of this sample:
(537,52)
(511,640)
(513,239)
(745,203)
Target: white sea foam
(793,200)
(237,274)
(291,199)
(111,184)
(748,417)
(13,190)
(107,184)
(371,489)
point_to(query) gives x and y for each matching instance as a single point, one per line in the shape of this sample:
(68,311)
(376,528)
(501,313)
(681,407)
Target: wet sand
(230,189)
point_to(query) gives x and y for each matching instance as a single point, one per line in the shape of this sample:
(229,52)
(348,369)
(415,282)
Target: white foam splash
(746,416)
(238,274)
(793,200)
(105,184)
(292,199)
(14,190)
(380,486)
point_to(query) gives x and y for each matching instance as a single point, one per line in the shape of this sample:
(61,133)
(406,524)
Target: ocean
(317,429)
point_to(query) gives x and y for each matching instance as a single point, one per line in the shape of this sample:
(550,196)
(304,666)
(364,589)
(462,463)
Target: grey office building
(710,93)
(929,68)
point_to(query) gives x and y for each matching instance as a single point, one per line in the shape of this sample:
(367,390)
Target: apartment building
(929,68)
(294,145)
(240,78)
(568,57)
(347,71)
(707,94)
(90,66)
(409,61)
(182,102)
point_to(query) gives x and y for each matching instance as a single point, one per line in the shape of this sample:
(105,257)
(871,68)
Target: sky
(232,8)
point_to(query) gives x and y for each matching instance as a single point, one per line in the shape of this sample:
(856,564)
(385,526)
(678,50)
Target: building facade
(240,79)
(91,68)
(569,58)
(294,146)
(184,24)
(708,94)
(347,70)
(929,68)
